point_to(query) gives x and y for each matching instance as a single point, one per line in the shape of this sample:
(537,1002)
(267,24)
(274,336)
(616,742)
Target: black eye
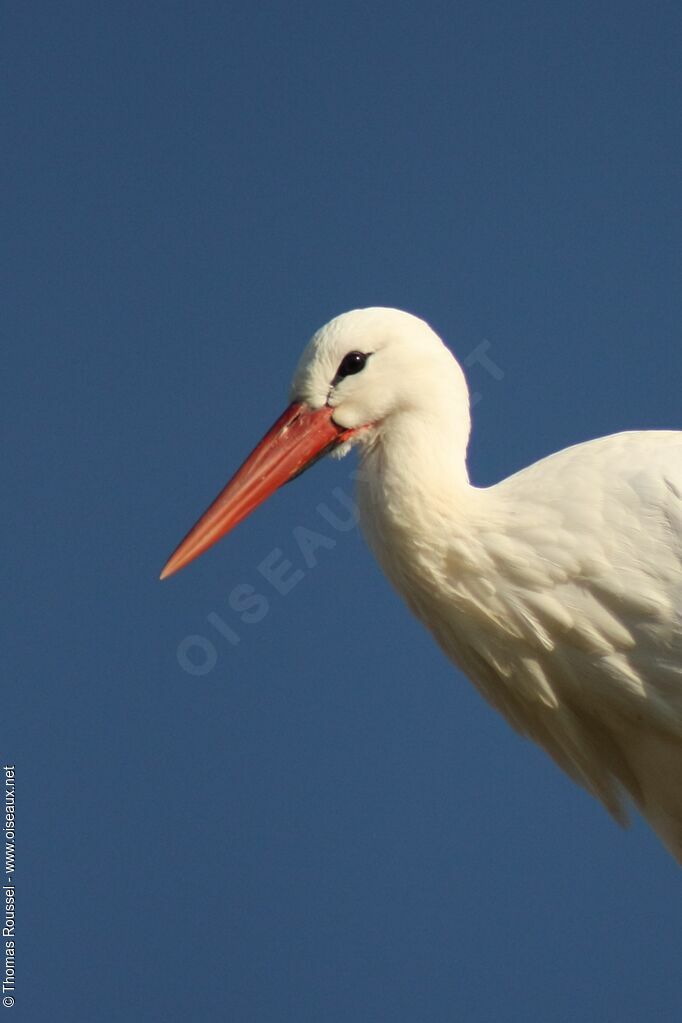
(351,363)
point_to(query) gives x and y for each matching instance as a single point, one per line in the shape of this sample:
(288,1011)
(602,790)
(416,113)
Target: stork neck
(415,471)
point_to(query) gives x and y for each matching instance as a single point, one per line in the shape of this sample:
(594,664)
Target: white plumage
(558,591)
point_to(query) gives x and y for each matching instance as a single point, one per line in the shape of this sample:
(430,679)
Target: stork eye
(351,363)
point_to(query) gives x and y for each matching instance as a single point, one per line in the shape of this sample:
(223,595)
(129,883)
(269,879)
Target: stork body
(558,603)
(558,592)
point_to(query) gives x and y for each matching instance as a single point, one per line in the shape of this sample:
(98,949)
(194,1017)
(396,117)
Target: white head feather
(409,372)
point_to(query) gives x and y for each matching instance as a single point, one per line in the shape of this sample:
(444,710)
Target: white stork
(557,591)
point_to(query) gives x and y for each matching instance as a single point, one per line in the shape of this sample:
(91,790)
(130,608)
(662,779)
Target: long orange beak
(299,437)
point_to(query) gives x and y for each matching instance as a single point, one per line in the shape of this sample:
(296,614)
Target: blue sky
(328,824)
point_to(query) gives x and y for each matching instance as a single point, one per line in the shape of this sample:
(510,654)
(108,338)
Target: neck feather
(413,483)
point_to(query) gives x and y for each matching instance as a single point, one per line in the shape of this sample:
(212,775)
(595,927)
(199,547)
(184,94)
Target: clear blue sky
(329,824)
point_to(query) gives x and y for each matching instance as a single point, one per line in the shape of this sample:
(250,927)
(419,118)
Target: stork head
(371,364)
(356,376)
